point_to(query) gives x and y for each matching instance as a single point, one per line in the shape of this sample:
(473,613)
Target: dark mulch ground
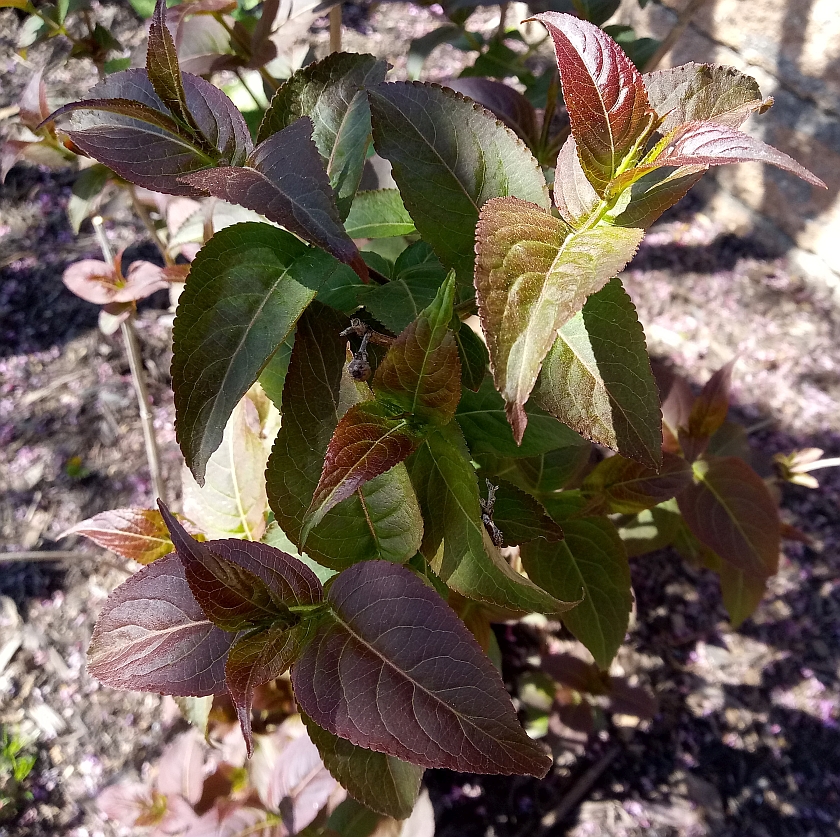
(746,739)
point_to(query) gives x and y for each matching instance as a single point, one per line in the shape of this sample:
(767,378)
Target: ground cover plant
(401,467)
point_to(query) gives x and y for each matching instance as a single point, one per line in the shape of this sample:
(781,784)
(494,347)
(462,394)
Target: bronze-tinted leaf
(604,94)
(709,410)
(395,670)
(655,192)
(533,274)
(574,195)
(729,509)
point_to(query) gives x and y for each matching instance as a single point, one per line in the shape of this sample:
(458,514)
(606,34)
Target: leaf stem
(144,216)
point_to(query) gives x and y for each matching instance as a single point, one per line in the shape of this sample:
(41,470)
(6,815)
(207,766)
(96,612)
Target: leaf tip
(517,418)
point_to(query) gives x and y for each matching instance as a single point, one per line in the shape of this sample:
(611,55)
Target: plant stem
(335,28)
(135,364)
(683,19)
(503,13)
(250,92)
(149,224)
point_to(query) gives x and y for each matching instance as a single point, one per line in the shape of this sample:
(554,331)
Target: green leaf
(498,61)
(231,503)
(367,442)
(482,418)
(538,475)
(596,11)
(383,519)
(276,537)
(702,92)
(87,187)
(591,559)
(455,541)
(378,214)
(655,192)
(606,98)
(449,157)
(521,518)
(246,289)
(331,93)
(421,48)
(730,510)
(597,378)
(622,486)
(651,529)
(421,373)
(742,593)
(273,375)
(473,354)
(381,782)
(532,275)
(417,275)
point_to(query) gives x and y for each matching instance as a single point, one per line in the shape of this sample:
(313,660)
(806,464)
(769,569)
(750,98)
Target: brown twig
(335,28)
(683,19)
(43,555)
(149,224)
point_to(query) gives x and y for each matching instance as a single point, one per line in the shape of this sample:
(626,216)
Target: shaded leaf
(702,93)
(231,503)
(597,378)
(483,421)
(381,782)
(604,94)
(705,144)
(139,534)
(708,412)
(533,274)
(421,373)
(729,509)
(742,593)
(372,675)
(590,560)
(283,179)
(627,487)
(273,375)
(383,520)
(152,635)
(378,214)
(538,475)
(454,539)
(87,189)
(473,355)
(367,442)
(246,289)
(331,93)
(521,518)
(441,144)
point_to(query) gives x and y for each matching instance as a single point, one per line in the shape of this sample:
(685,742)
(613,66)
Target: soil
(746,737)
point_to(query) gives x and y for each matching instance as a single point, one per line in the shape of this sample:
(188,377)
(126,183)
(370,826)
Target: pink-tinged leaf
(152,635)
(98,282)
(300,786)
(604,94)
(126,802)
(705,144)
(621,486)
(533,274)
(729,509)
(181,767)
(702,92)
(33,102)
(741,592)
(395,670)
(676,409)
(284,180)
(367,442)
(228,819)
(139,534)
(421,373)
(241,584)
(574,196)
(257,658)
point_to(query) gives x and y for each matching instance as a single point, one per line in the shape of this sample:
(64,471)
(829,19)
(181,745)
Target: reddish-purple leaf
(421,374)
(676,409)
(152,635)
(396,671)
(708,412)
(257,658)
(708,144)
(367,442)
(140,534)
(729,509)
(284,180)
(604,93)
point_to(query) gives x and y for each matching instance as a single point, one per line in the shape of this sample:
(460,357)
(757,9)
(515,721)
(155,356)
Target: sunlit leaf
(655,192)
(574,195)
(372,675)
(101,283)
(533,274)
(597,378)
(441,144)
(604,94)
(378,214)
(591,562)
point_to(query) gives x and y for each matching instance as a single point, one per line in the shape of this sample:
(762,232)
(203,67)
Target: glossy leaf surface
(597,378)
(590,560)
(331,93)
(533,274)
(604,94)
(729,509)
(381,782)
(383,520)
(406,678)
(449,157)
(574,195)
